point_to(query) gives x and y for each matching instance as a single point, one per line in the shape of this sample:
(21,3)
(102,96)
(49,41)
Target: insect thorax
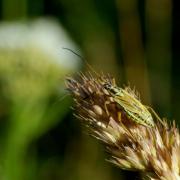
(115,91)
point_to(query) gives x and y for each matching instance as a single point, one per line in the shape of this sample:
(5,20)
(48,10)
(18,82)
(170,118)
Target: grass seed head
(155,152)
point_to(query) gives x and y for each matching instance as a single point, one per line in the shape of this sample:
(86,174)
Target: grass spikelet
(153,151)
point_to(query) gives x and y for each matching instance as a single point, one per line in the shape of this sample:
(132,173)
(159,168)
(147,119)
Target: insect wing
(134,109)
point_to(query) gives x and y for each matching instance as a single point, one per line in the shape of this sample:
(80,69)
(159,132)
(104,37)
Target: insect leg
(155,114)
(105,106)
(119,116)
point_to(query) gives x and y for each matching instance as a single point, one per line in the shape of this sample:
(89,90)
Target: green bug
(131,105)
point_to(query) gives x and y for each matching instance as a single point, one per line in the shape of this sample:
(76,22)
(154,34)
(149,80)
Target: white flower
(46,36)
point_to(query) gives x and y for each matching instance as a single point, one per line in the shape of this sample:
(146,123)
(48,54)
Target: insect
(137,112)
(131,105)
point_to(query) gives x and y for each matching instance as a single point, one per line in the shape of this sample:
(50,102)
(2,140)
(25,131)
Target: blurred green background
(137,41)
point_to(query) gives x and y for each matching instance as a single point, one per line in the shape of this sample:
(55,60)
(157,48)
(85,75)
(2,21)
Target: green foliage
(29,94)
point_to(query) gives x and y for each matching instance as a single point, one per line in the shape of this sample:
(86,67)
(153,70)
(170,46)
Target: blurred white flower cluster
(33,66)
(45,36)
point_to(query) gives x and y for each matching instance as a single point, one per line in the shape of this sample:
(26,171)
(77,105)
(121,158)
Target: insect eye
(107,86)
(113,90)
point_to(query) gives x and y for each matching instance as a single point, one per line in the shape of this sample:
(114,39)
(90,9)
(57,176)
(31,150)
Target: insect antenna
(155,114)
(100,76)
(73,52)
(83,59)
(63,97)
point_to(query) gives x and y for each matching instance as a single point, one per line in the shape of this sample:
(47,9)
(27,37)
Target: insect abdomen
(139,120)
